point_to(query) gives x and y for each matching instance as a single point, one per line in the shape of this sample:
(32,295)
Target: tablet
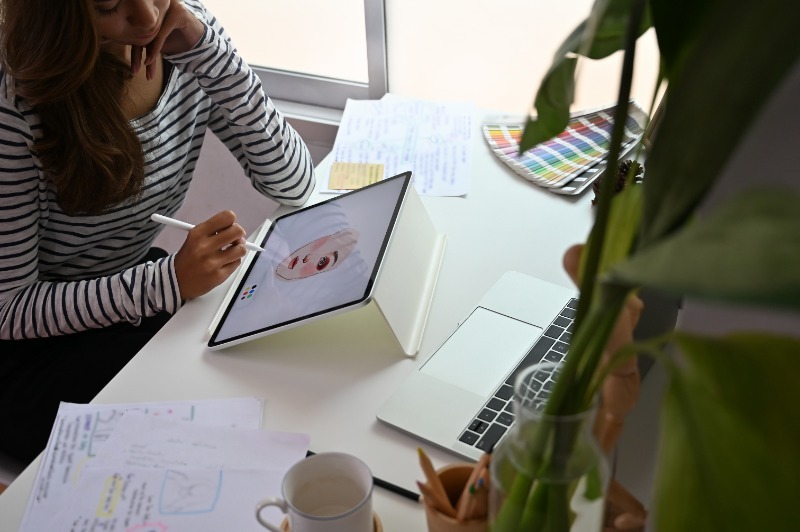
(317,261)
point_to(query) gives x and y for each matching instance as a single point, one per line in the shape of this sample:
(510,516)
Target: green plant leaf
(603,32)
(623,225)
(608,35)
(552,103)
(730,436)
(594,484)
(599,36)
(747,251)
(740,57)
(678,24)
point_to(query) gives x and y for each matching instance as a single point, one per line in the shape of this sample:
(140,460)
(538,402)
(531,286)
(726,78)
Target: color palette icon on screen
(247,293)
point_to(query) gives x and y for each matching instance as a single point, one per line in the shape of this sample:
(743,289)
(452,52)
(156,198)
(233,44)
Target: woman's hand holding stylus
(211,253)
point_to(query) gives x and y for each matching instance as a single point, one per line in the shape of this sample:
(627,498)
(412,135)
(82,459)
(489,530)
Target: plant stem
(516,502)
(531,503)
(547,504)
(585,351)
(594,249)
(612,300)
(607,183)
(564,438)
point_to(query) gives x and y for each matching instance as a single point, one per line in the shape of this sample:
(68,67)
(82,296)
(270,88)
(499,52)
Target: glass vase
(548,473)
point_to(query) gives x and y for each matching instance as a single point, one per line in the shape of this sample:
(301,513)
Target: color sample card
(581,146)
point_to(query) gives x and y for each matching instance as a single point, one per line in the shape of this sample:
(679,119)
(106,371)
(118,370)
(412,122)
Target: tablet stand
(407,277)
(409,272)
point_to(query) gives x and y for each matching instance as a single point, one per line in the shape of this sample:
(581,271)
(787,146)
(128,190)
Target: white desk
(327,379)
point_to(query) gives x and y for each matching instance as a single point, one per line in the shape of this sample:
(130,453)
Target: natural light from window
(317,37)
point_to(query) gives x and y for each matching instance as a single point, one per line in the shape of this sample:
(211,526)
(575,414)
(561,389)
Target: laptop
(460,399)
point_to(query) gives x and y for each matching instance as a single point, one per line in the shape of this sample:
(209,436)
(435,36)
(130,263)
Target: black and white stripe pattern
(61,274)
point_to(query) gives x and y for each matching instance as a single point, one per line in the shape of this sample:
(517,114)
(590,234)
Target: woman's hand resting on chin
(180,31)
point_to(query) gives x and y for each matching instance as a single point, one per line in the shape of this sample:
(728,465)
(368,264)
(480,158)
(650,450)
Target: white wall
(767,155)
(491,53)
(496,53)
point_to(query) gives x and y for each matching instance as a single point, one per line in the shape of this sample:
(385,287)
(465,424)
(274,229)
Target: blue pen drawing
(190,492)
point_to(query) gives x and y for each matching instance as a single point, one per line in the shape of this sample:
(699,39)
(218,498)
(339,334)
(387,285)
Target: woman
(104,107)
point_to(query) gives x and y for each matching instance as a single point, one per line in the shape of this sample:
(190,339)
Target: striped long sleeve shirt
(62,274)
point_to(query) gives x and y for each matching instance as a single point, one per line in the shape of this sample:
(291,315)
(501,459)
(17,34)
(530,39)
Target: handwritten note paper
(432,139)
(81,431)
(174,500)
(156,474)
(144,441)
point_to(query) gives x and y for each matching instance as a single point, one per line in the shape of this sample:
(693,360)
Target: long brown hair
(51,49)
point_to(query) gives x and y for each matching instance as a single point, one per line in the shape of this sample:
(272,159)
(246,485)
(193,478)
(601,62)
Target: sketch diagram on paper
(106,420)
(190,492)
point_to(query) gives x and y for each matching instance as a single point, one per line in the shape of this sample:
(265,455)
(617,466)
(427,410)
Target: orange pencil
(479,504)
(468,492)
(466,503)
(435,483)
(431,497)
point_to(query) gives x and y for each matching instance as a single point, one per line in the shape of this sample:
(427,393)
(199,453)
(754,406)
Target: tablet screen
(317,260)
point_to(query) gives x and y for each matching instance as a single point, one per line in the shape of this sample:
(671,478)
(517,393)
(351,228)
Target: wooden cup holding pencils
(455,496)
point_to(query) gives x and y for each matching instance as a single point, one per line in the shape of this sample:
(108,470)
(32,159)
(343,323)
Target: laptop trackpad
(482,352)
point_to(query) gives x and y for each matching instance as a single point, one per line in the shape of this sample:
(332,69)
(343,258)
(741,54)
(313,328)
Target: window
(313,52)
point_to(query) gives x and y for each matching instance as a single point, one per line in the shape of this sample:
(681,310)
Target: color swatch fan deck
(569,162)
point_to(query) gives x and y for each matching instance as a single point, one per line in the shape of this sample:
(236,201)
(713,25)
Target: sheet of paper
(146,441)
(79,432)
(174,500)
(432,139)
(155,474)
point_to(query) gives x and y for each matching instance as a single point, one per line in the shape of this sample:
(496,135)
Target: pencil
(436,500)
(172,222)
(467,494)
(478,502)
(435,483)
(466,502)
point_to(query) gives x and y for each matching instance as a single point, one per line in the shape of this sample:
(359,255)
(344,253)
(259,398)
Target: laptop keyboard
(497,415)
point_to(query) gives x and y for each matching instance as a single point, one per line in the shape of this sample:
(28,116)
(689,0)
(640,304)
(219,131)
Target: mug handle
(280,503)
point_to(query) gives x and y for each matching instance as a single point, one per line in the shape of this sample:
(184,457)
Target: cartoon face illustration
(322,255)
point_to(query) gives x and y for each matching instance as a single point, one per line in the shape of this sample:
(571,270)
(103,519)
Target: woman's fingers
(136,59)
(222,231)
(180,32)
(211,253)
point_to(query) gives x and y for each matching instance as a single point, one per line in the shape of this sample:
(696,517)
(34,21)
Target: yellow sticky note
(350,176)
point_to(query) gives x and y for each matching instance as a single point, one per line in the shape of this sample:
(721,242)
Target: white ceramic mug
(326,492)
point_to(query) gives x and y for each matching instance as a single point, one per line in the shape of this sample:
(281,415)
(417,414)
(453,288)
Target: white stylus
(172,222)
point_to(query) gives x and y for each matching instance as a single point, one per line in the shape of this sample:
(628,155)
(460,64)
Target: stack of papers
(382,138)
(182,466)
